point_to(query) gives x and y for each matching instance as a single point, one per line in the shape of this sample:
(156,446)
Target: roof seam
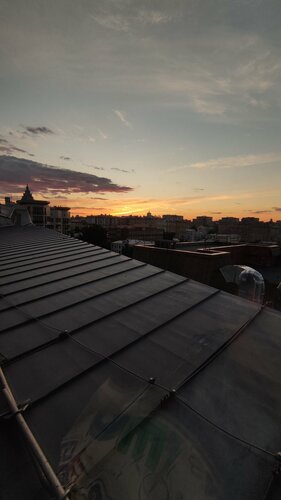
(57,292)
(69,277)
(86,299)
(37,263)
(63,335)
(58,270)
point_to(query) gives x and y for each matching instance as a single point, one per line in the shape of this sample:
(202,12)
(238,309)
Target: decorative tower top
(27,196)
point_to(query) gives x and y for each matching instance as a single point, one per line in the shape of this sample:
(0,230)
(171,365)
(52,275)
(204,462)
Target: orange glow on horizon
(216,206)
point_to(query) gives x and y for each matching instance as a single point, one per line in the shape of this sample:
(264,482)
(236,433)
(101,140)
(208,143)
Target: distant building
(250,220)
(173,218)
(59,219)
(40,212)
(120,245)
(36,208)
(203,220)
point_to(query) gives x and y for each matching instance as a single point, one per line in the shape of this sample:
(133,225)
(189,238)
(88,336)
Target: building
(120,245)
(205,264)
(36,208)
(203,220)
(41,213)
(58,218)
(121,380)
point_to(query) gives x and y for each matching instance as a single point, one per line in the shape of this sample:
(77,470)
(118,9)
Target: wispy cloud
(122,117)
(115,22)
(239,161)
(259,212)
(102,134)
(94,167)
(277,209)
(66,158)
(7,148)
(17,172)
(116,18)
(122,170)
(38,130)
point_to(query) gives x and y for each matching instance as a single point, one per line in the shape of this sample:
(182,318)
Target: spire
(27,196)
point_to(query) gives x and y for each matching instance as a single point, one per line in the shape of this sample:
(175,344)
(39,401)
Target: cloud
(102,134)
(215,213)
(7,148)
(115,22)
(226,162)
(277,209)
(122,170)
(94,167)
(198,189)
(122,117)
(38,130)
(260,211)
(15,173)
(87,208)
(66,158)
(117,19)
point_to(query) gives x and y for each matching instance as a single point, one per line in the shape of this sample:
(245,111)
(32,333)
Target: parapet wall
(253,255)
(200,266)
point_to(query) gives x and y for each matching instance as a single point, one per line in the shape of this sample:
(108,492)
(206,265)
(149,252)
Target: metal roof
(135,382)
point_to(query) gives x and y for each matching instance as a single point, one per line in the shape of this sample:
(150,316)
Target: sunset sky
(121,107)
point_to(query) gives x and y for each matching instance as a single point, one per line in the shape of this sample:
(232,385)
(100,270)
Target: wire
(221,429)
(172,391)
(99,434)
(220,350)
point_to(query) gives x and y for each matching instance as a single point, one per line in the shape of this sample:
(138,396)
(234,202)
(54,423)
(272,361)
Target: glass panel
(241,389)
(96,408)
(171,454)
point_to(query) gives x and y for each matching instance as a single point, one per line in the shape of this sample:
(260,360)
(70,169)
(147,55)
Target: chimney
(7,200)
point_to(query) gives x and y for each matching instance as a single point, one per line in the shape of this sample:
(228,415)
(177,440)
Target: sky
(130,106)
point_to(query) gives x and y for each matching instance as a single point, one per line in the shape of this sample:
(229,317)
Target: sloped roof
(137,383)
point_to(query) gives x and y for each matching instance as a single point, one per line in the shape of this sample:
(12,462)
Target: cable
(228,433)
(99,434)
(222,347)
(172,391)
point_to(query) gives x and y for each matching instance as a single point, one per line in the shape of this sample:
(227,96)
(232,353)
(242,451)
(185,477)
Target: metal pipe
(54,482)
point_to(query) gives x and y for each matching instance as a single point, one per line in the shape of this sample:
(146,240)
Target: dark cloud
(98,198)
(88,208)
(9,149)
(66,158)
(277,209)
(15,173)
(261,211)
(216,213)
(199,189)
(122,170)
(38,131)
(93,166)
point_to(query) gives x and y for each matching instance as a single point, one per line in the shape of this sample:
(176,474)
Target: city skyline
(124,107)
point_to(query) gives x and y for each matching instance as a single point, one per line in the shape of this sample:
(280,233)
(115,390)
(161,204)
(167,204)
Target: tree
(95,234)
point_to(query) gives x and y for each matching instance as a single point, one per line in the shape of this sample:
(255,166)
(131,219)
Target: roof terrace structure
(36,208)
(120,380)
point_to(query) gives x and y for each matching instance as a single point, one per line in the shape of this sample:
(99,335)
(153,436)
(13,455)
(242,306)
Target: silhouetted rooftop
(136,382)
